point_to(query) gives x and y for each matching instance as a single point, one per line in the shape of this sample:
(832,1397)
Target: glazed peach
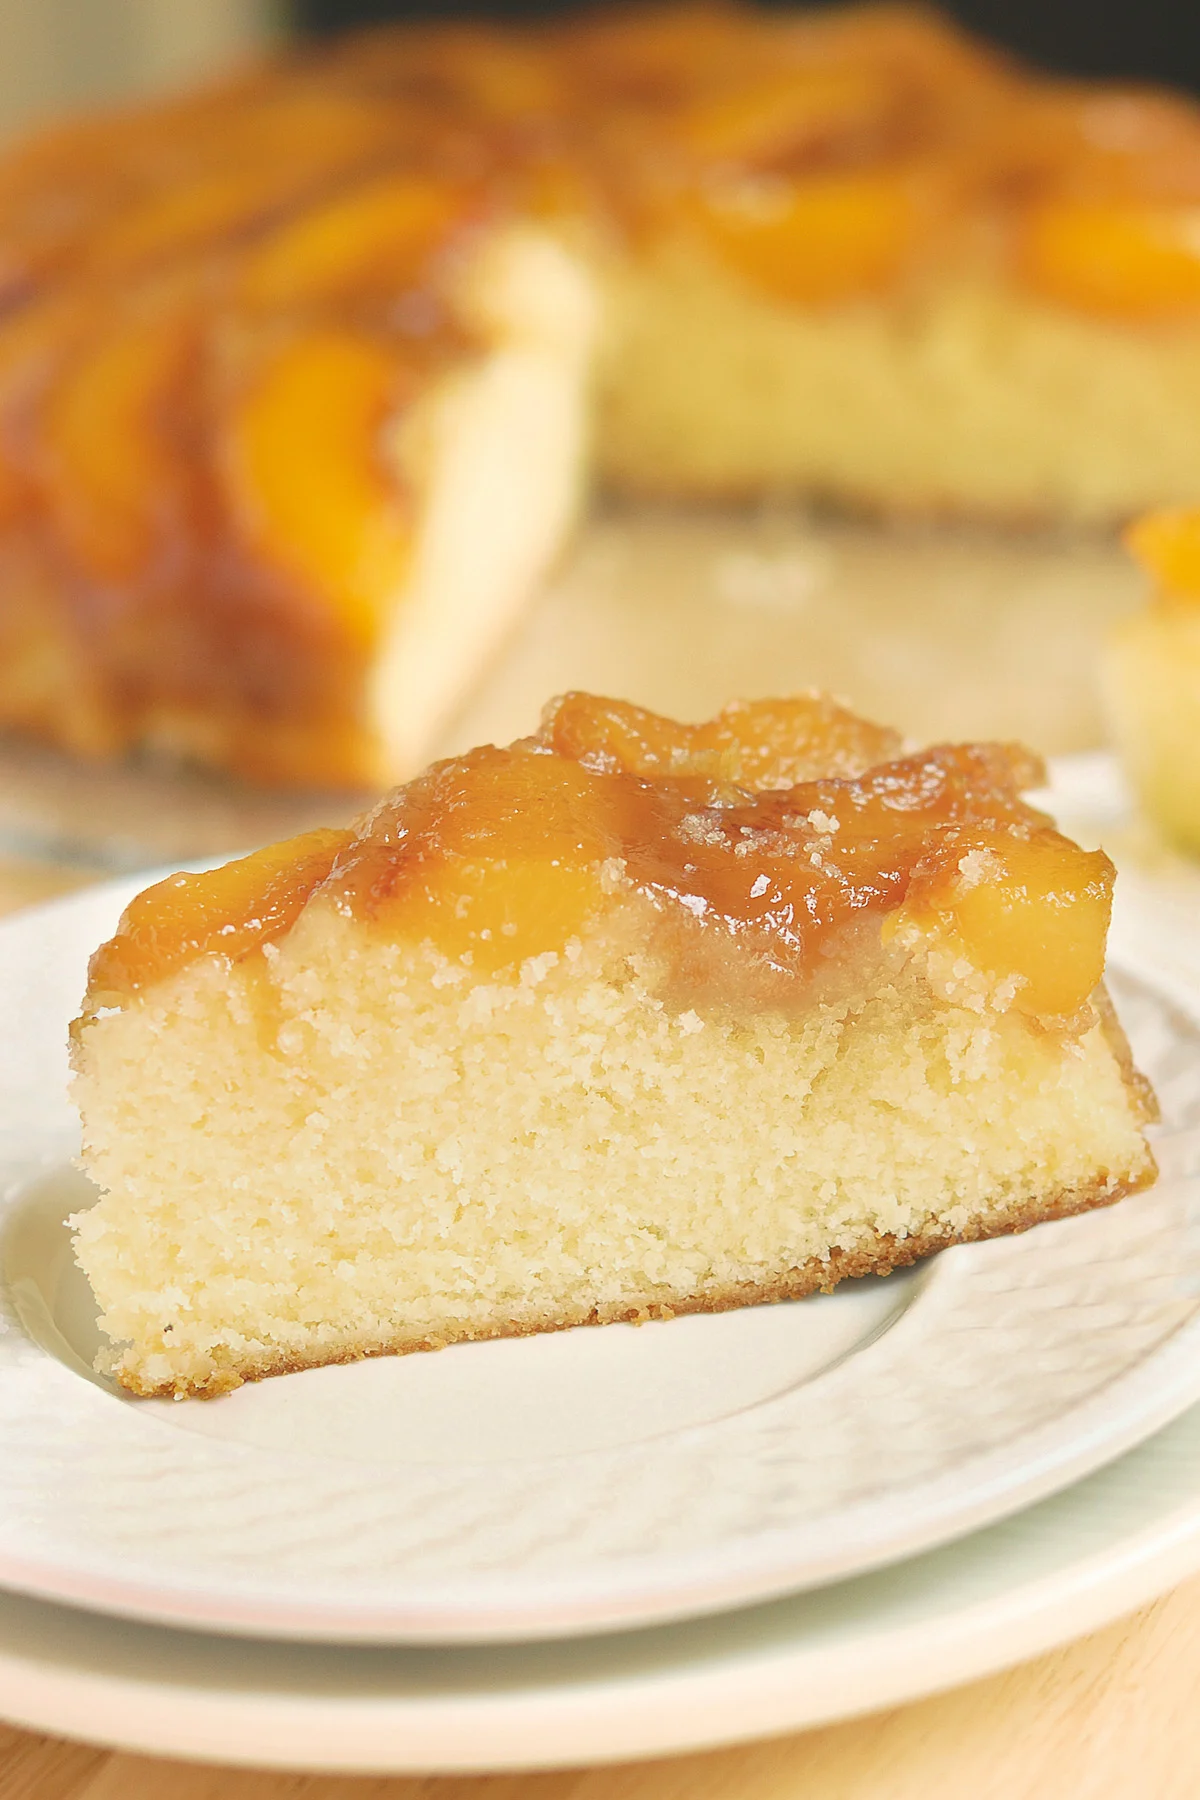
(305,469)
(232,910)
(1151,676)
(35,342)
(754,743)
(112,471)
(494,856)
(784,113)
(813,241)
(377,238)
(233,171)
(494,74)
(616,816)
(507,854)
(1030,911)
(1134,259)
(1167,544)
(660,52)
(182,220)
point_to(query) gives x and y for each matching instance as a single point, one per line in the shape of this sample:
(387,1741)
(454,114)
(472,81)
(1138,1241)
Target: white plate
(1067,1566)
(593,1479)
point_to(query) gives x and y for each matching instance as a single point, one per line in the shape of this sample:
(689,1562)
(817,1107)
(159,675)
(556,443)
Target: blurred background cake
(1152,678)
(305,368)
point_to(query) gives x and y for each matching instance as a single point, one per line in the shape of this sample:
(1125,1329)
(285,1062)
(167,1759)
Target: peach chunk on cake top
(761,840)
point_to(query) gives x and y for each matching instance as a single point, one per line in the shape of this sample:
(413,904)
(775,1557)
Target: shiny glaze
(694,844)
(829,156)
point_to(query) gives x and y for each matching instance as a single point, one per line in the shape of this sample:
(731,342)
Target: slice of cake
(628,1019)
(1152,678)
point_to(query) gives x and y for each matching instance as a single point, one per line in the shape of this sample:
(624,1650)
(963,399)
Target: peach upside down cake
(628,1019)
(298,372)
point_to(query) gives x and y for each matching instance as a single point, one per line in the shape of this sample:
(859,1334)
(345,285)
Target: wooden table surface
(1112,1717)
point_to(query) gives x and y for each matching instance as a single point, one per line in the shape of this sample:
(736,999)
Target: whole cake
(1152,677)
(628,1019)
(297,372)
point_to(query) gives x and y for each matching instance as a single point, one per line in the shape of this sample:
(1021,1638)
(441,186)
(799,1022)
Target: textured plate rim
(498,1609)
(695,1699)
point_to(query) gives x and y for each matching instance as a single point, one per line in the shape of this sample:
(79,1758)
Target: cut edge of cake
(497,455)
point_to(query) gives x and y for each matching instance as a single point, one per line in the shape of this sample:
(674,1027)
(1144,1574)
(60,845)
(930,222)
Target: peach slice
(1167,544)
(304,130)
(813,241)
(494,74)
(783,112)
(304,467)
(1131,259)
(34,342)
(233,910)
(375,238)
(1031,911)
(496,854)
(498,913)
(109,467)
(753,743)
(661,49)
(1151,678)
(189,217)
(247,165)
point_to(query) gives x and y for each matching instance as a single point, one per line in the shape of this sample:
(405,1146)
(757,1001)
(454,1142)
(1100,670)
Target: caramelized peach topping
(816,240)
(820,161)
(232,910)
(1133,259)
(304,469)
(1113,227)
(1030,912)
(756,744)
(204,359)
(111,468)
(1167,544)
(700,842)
(374,240)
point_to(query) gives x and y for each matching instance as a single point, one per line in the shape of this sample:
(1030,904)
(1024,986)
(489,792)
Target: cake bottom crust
(875,1254)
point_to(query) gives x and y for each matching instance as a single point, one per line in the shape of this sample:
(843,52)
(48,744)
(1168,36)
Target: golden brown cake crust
(879,1255)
